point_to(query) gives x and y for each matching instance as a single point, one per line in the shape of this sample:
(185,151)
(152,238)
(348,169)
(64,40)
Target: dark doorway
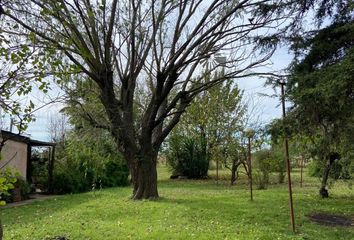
(40,166)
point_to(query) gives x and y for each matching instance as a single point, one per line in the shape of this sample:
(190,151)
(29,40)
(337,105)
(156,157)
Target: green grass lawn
(187,210)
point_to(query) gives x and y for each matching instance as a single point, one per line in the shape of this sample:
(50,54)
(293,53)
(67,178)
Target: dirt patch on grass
(58,238)
(331,219)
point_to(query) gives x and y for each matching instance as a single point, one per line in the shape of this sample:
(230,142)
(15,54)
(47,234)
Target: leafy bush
(260,179)
(68,182)
(341,169)
(20,188)
(263,166)
(89,161)
(267,161)
(115,174)
(7,181)
(188,157)
(278,164)
(24,186)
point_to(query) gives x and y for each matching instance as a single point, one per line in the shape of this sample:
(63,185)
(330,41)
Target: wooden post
(29,163)
(286,146)
(250,167)
(217,171)
(50,170)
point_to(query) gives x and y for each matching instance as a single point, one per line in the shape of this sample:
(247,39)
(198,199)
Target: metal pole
(250,167)
(50,170)
(286,145)
(302,169)
(217,171)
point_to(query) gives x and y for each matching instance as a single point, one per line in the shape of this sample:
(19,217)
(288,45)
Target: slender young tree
(157,46)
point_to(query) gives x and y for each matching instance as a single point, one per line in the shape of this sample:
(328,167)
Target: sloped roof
(20,138)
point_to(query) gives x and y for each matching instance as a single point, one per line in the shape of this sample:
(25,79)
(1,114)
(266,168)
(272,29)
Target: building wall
(17,151)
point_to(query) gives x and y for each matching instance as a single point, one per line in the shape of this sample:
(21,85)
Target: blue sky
(254,87)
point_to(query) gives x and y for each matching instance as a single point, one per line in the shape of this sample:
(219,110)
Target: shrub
(68,182)
(88,162)
(11,186)
(24,186)
(263,166)
(188,156)
(19,191)
(340,169)
(115,174)
(260,179)
(7,181)
(278,164)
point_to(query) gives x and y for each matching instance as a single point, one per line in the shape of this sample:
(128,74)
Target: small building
(16,152)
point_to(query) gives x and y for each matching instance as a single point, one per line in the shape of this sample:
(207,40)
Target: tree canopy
(158,47)
(321,87)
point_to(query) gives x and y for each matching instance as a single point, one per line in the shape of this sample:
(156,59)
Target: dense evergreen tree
(322,89)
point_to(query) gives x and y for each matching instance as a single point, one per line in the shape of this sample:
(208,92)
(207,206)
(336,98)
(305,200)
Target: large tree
(216,115)
(157,46)
(215,118)
(322,89)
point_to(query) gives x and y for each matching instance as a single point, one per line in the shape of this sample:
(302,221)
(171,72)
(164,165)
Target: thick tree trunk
(139,153)
(141,160)
(323,190)
(144,178)
(234,172)
(331,158)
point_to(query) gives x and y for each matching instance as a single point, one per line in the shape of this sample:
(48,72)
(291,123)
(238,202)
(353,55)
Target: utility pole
(286,146)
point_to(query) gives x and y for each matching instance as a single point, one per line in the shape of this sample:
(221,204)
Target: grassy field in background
(188,209)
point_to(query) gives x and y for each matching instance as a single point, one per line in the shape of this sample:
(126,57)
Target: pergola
(7,137)
(35,143)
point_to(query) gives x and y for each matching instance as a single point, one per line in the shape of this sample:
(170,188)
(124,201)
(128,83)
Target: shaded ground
(331,219)
(58,238)
(33,198)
